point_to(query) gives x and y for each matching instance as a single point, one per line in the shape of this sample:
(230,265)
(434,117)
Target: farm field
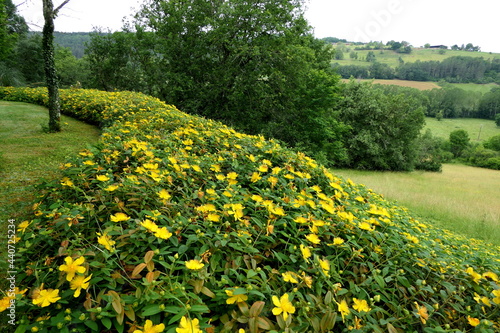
(391,58)
(403,83)
(479,129)
(463,199)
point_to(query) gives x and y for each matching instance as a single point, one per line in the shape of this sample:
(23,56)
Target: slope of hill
(178,223)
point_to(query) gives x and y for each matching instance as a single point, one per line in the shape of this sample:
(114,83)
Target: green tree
(370,57)
(497,119)
(252,64)
(493,143)
(459,141)
(70,70)
(29,55)
(383,128)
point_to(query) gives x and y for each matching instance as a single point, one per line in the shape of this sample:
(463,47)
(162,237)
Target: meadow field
(479,129)
(461,198)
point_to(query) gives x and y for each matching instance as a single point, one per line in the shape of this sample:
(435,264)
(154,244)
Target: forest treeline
(257,69)
(456,69)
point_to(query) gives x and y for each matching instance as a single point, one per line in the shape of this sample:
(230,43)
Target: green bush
(174,220)
(493,143)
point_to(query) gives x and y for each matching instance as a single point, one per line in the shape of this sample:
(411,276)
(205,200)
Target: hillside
(392,58)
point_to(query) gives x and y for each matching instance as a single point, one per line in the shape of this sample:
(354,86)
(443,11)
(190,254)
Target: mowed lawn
(462,199)
(28,154)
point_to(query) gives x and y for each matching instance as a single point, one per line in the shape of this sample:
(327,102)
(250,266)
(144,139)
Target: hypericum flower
(473,321)
(111,188)
(241,297)
(163,233)
(4,303)
(119,217)
(283,305)
(290,277)
(343,308)
(102,178)
(313,238)
(150,328)
(66,182)
(194,264)
(72,267)
(46,297)
(306,251)
(23,225)
(78,283)
(163,194)
(325,266)
(422,313)
(496,293)
(255,177)
(491,275)
(307,280)
(366,226)
(150,225)
(338,241)
(188,326)
(213,217)
(360,305)
(106,241)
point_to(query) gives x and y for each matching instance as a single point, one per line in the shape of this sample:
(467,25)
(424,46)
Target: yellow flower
(106,241)
(66,182)
(366,226)
(102,178)
(313,238)
(188,326)
(78,283)
(422,313)
(338,241)
(111,188)
(325,266)
(300,220)
(150,328)
(283,305)
(163,233)
(255,177)
(306,251)
(307,280)
(72,267)
(473,321)
(46,297)
(290,277)
(119,217)
(163,194)
(360,305)
(23,225)
(491,275)
(241,297)
(194,264)
(263,168)
(496,293)
(213,217)
(343,308)
(150,225)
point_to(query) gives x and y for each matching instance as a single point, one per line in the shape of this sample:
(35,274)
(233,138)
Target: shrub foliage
(176,223)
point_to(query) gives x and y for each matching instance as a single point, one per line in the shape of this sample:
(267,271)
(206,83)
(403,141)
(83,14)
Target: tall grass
(462,199)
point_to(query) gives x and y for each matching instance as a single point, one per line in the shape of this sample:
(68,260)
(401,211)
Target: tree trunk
(50,67)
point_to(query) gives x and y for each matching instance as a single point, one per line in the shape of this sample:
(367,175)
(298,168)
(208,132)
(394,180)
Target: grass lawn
(27,154)
(482,88)
(479,129)
(462,199)
(420,85)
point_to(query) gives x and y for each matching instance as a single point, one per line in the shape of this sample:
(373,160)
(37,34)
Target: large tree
(49,14)
(252,64)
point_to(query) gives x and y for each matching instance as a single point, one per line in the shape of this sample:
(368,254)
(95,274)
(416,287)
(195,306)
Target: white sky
(436,22)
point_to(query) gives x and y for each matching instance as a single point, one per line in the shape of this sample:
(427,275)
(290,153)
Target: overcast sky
(419,22)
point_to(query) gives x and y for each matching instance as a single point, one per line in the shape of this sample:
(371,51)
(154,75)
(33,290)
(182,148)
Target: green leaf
(92,325)
(106,322)
(200,308)
(151,310)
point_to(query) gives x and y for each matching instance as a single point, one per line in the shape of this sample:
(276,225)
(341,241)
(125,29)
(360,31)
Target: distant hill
(74,40)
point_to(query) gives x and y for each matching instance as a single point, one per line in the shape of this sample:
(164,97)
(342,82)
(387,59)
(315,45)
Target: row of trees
(456,69)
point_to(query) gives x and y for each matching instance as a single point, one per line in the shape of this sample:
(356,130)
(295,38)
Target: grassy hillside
(478,129)
(391,58)
(177,223)
(463,199)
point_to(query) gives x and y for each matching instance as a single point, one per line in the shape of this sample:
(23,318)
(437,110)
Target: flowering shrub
(174,223)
